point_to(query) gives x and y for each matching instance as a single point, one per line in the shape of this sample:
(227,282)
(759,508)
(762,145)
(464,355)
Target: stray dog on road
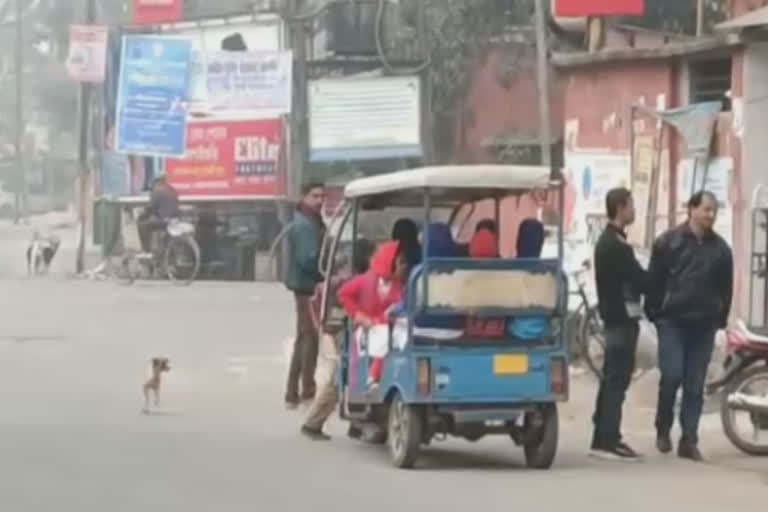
(40,254)
(160,365)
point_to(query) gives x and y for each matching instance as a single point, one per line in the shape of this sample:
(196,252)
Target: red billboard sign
(157,11)
(579,8)
(231,158)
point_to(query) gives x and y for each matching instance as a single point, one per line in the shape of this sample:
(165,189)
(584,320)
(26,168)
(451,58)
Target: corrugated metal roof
(666,51)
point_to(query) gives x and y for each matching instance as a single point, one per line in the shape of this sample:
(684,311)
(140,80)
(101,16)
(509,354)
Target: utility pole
(84,104)
(699,18)
(21,175)
(299,116)
(545,129)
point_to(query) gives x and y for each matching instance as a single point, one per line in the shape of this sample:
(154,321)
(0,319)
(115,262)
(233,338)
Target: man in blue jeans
(689,300)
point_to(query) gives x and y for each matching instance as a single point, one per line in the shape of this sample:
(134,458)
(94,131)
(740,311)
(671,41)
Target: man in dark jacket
(689,300)
(163,206)
(620,280)
(302,277)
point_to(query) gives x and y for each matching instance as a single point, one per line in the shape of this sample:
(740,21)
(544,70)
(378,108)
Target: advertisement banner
(243,81)
(642,177)
(231,158)
(589,176)
(153,95)
(580,8)
(87,60)
(157,11)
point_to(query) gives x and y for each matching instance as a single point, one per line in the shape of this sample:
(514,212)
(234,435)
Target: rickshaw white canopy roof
(509,178)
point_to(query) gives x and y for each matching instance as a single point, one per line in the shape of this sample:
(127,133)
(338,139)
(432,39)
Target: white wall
(755,151)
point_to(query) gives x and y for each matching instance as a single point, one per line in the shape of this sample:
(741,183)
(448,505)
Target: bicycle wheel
(592,341)
(182,260)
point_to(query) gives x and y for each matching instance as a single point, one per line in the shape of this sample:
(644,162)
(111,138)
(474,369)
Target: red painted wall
(500,104)
(600,99)
(497,103)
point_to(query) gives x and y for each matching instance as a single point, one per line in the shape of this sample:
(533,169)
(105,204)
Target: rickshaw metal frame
(503,415)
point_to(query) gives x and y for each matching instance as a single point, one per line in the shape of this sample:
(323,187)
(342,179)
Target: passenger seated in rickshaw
(484,244)
(463,250)
(487,224)
(361,259)
(406,232)
(530,241)
(440,244)
(368,300)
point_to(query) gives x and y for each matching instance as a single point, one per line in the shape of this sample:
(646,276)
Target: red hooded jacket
(361,293)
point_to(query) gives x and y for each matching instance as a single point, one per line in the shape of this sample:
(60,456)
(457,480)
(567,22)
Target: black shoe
(619,452)
(664,443)
(621,445)
(314,434)
(689,451)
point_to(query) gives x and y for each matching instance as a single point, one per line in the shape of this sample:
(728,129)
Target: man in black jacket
(689,300)
(620,280)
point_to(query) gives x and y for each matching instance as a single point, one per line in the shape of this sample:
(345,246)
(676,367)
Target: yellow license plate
(510,364)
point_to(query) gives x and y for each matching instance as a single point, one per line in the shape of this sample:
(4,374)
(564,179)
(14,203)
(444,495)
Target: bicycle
(175,254)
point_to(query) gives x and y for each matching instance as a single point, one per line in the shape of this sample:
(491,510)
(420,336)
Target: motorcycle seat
(751,334)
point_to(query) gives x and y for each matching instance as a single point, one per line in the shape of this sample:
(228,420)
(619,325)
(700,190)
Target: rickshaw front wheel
(404,432)
(541,436)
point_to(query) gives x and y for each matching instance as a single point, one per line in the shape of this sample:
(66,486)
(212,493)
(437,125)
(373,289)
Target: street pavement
(74,354)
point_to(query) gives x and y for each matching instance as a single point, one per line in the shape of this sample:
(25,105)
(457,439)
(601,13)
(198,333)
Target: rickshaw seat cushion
(529,328)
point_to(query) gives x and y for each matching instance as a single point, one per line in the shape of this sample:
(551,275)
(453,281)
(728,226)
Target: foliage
(454,35)
(50,96)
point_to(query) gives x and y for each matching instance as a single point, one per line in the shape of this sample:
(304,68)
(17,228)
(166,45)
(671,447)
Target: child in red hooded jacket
(369,298)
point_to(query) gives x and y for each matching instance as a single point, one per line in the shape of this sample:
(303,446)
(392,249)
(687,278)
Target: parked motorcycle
(744,387)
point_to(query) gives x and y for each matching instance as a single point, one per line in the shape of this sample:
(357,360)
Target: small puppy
(160,365)
(40,253)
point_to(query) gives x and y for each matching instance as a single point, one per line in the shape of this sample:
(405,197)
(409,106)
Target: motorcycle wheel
(758,373)
(182,260)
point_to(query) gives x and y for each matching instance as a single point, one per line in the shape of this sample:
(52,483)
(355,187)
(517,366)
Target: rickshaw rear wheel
(405,429)
(541,437)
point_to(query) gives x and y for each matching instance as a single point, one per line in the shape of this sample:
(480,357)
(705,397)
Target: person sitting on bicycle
(163,206)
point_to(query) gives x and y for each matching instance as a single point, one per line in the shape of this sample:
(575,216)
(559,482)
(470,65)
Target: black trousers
(618,367)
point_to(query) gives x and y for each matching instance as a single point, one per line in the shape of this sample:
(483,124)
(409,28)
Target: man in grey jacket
(302,277)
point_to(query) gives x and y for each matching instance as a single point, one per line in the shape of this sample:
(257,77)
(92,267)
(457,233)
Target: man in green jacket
(302,277)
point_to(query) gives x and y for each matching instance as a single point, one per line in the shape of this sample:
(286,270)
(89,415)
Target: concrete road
(73,356)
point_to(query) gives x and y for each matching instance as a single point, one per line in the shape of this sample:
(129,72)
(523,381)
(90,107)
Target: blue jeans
(618,367)
(685,352)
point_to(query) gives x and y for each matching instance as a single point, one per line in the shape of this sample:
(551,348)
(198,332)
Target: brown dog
(160,365)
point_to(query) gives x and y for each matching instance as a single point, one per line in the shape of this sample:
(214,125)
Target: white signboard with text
(87,58)
(365,118)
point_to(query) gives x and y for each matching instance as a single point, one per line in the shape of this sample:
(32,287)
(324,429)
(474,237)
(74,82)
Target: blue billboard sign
(153,96)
